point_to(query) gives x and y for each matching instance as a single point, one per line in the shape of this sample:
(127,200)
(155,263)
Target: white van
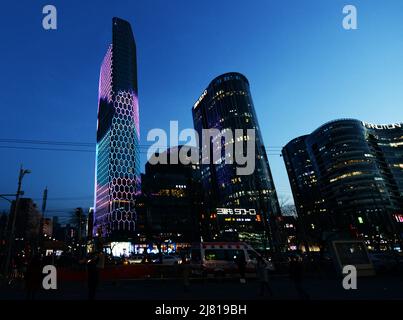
(219,258)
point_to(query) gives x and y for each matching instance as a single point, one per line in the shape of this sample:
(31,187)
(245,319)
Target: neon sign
(237,211)
(381,126)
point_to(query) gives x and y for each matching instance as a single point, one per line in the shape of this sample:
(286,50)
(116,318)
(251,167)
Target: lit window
(346,175)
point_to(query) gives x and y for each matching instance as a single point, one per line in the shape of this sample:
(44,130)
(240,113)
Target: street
(379,287)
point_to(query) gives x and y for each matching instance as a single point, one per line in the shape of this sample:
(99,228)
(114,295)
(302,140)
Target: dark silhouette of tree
(78,220)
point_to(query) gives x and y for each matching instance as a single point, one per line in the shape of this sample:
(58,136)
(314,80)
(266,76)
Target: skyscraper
(235,207)
(172,192)
(347,177)
(117,154)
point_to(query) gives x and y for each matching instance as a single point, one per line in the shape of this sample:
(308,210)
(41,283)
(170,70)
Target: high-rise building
(117,157)
(347,177)
(27,223)
(172,196)
(235,207)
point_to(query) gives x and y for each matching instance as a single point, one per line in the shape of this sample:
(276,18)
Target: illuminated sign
(238,219)
(398,218)
(200,99)
(381,126)
(121,249)
(237,211)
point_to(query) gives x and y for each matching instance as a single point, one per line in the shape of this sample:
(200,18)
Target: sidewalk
(171,289)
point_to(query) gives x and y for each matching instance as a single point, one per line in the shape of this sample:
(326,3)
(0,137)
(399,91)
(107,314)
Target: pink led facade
(105,77)
(117,156)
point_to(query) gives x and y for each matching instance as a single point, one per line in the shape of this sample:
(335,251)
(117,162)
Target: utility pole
(14,218)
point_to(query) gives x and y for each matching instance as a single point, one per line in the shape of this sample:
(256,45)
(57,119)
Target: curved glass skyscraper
(117,157)
(235,207)
(347,176)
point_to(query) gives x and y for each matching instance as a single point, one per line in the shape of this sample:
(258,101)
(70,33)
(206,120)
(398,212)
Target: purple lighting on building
(118,134)
(105,77)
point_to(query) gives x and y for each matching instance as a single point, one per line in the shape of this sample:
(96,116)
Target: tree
(77,220)
(3,225)
(33,224)
(3,231)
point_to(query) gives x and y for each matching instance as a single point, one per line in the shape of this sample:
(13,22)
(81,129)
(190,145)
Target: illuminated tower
(117,158)
(227,104)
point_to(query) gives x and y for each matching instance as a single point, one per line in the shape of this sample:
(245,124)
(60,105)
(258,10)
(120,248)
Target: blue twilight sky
(303,67)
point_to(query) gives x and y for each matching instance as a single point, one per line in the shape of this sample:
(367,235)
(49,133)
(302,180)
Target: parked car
(168,260)
(135,259)
(110,260)
(219,258)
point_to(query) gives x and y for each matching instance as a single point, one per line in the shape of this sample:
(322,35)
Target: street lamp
(21,175)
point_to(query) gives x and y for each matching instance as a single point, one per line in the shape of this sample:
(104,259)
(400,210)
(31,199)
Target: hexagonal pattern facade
(117,157)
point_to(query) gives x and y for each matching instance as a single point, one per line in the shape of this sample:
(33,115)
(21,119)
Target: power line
(82,144)
(66,198)
(46,149)
(87,151)
(61,143)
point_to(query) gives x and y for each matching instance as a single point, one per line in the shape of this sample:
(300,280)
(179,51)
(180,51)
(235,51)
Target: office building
(117,153)
(346,179)
(171,193)
(235,207)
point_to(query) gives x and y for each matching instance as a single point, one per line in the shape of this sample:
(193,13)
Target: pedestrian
(13,277)
(296,275)
(186,274)
(262,273)
(23,269)
(241,263)
(93,276)
(33,277)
